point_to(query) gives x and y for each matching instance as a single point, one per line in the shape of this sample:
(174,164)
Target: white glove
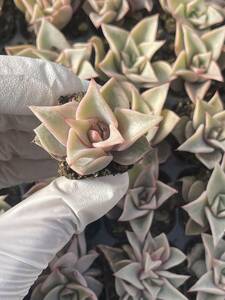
(36,229)
(24,82)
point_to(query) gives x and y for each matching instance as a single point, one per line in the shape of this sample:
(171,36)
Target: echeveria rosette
(200,14)
(52,45)
(4,206)
(95,132)
(71,275)
(145,195)
(141,269)
(130,54)
(205,132)
(105,12)
(211,285)
(197,59)
(152,102)
(208,210)
(57,12)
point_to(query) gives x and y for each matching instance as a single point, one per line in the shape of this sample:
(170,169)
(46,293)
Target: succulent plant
(141,268)
(196,260)
(207,210)
(71,275)
(200,14)
(4,206)
(205,132)
(129,57)
(152,102)
(52,45)
(197,59)
(57,12)
(104,12)
(192,188)
(145,195)
(211,284)
(101,12)
(95,132)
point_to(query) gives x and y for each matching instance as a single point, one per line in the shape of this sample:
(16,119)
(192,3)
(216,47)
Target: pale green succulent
(205,132)
(200,14)
(4,206)
(211,285)
(145,195)
(197,59)
(152,102)
(71,275)
(196,260)
(52,45)
(105,11)
(95,132)
(208,209)
(192,188)
(57,12)
(141,269)
(130,54)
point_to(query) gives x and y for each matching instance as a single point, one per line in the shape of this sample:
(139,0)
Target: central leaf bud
(99,131)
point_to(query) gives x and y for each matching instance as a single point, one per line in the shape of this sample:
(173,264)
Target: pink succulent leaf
(82,159)
(53,118)
(84,263)
(196,209)
(133,154)
(133,125)
(155,98)
(169,292)
(93,105)
(115,138)
(81,127)
(142,225)
(48,142)
(130,211)
(115,95)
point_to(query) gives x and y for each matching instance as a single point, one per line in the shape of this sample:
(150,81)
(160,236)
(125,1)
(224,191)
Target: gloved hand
(36,229)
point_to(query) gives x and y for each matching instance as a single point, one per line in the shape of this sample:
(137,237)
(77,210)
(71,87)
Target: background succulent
(145,195)
(196,260)
(101,12)
(57,12)
(207,210)
(52,45)
(129,57)
(105,12)
(141,268)
(197,59)
(200,14)
(94,132)
(71,275)
(211,284)
(192,188)
(204,132)
(151,102)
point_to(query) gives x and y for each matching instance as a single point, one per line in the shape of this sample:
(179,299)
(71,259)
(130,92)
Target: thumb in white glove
(36,229)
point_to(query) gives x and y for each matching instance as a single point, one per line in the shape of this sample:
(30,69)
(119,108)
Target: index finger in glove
(27,81)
